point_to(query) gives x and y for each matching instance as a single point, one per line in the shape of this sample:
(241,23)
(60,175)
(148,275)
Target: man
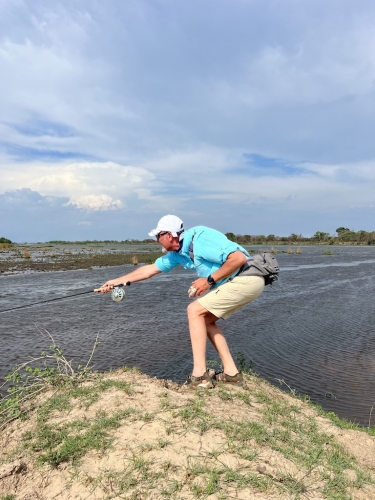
(219,264)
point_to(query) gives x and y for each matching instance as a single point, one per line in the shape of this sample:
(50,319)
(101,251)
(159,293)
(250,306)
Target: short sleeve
(215,247)
(167,262)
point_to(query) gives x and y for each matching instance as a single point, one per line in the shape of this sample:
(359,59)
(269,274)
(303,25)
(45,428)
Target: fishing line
(117,295)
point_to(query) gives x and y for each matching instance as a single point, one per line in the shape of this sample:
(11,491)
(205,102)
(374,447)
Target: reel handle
(128,283)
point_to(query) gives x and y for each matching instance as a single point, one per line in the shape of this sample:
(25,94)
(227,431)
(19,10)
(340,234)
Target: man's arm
(234,261)
(140,274)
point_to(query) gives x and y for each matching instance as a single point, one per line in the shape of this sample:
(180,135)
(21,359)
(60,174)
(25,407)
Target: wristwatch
(210,280)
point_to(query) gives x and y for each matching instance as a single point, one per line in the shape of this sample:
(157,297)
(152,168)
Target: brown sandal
(203,382)
(229,379)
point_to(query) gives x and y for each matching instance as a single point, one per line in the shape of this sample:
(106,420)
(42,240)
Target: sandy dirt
(168,445)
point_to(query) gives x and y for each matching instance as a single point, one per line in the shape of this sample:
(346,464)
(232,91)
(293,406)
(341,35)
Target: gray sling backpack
(265,265)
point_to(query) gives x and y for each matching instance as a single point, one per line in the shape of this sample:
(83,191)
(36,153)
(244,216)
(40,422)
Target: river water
(314,330)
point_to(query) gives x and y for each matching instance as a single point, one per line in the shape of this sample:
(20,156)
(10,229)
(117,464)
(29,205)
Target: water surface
(314,330)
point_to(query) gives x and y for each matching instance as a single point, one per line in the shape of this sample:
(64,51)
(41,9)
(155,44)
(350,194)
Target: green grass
(285,430)
(68,442)
(268,422)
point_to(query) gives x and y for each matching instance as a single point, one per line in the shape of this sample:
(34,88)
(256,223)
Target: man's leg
(217,339)
(198,336)
(201,324)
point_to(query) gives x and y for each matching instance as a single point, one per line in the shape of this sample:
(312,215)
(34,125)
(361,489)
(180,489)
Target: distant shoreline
(30,257)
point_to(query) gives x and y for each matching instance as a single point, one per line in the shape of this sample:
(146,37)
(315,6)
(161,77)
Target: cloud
(87,185)
(101,202)
(145,107)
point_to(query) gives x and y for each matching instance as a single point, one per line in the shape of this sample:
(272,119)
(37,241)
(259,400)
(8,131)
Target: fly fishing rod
(117,294)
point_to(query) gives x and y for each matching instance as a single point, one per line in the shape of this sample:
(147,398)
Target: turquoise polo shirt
(211,249)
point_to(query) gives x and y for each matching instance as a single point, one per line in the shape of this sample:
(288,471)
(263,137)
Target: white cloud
(89,185)
(158,102)
(97,202)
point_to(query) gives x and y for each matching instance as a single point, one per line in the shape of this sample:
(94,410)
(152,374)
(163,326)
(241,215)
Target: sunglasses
(158,236)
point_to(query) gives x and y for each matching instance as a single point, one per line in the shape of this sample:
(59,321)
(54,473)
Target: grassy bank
(125,435)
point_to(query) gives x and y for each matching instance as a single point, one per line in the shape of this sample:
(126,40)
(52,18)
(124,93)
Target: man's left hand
(201,285)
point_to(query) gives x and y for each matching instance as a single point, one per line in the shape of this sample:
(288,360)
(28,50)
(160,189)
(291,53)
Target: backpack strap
(191,249)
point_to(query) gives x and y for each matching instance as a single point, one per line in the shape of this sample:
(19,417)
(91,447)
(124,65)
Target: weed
(62,443)
(243,396)
(293,485)
(225,395)
(147,417)
(250,479)
(244,365)
(26,380)
(162,442)
(146,447)
(173,487)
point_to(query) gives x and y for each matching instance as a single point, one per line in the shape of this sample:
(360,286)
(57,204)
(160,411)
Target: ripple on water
(314,330)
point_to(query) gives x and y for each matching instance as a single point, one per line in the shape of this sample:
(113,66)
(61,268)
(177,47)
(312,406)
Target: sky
(249,116)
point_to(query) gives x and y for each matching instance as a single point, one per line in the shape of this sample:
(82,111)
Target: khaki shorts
(228,298)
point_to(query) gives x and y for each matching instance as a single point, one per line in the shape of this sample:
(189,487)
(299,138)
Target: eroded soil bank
(125,435)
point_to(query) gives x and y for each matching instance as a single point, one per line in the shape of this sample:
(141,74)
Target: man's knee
(195,309)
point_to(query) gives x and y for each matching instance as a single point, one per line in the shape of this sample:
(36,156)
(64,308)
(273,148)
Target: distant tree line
(343,235)
(100,242)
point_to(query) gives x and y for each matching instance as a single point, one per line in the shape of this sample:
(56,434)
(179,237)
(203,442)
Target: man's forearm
(234,261)
(140,274)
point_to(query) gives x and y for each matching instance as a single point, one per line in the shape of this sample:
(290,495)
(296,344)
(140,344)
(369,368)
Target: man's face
(169,242)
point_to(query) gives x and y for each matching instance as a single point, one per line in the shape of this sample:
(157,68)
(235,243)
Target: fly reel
(118,294)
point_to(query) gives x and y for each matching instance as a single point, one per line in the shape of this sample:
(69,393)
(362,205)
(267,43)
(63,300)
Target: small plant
(26,380)
(245,366)
(328,252)
(5,246)
(26,254)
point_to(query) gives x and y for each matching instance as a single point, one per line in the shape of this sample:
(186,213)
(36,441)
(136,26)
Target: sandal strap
(206,376)
(223,377)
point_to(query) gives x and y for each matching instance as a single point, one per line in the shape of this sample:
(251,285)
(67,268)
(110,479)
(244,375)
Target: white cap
(170,223)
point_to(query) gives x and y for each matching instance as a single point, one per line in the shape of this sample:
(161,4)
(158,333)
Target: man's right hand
(108,286)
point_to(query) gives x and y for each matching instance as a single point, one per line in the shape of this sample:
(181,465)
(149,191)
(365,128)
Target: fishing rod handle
(128,283)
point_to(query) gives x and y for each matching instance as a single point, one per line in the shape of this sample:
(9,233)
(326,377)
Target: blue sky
(250,116)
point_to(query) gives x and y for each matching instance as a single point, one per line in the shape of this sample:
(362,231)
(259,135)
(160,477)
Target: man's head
(169,232)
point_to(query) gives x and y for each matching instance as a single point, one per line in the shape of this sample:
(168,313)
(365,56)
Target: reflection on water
(314,330)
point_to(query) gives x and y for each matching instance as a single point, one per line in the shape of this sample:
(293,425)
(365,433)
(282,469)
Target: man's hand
(201,285)
(233,263)
(108,286)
